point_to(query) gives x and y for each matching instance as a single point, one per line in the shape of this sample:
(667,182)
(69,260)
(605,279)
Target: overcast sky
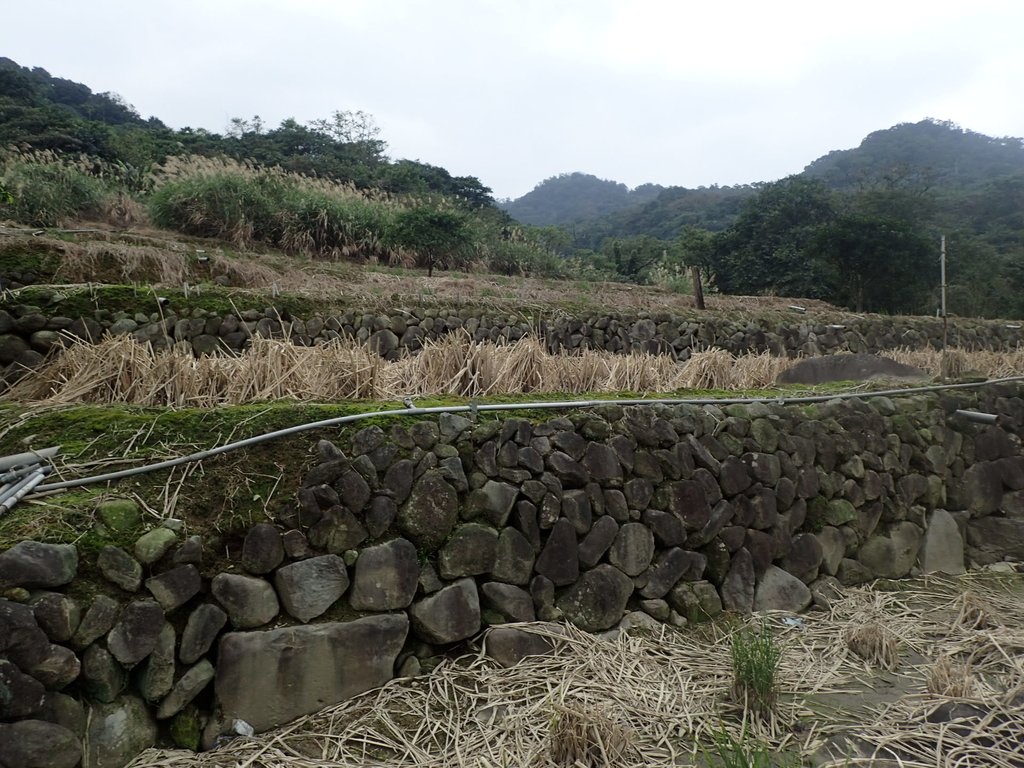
(516,91)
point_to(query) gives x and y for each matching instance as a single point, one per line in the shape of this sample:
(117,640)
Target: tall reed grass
(49,190)
(248,205)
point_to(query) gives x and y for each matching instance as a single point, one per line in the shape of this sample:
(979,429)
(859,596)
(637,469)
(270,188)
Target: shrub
(437,236)
(523,258)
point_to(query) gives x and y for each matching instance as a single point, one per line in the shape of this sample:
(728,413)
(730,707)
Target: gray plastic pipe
(474,408)
(19,472)
(30,457)
(978,416)
(19,490)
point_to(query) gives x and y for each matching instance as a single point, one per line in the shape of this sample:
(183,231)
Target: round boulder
(597,601)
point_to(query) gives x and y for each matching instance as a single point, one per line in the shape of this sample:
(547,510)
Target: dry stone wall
(28,332)
(407,540)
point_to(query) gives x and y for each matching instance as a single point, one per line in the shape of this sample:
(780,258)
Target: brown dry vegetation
(662,697)
(115,262)
(119,370)
(103,255)
(874,643)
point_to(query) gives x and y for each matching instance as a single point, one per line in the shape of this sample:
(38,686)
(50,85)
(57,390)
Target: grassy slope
(223,496)
(122,268)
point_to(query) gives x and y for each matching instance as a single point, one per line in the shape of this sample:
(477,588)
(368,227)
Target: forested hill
(858,227)
(931,152)
(40,111)
(598,208)
(710,208)
(574,197)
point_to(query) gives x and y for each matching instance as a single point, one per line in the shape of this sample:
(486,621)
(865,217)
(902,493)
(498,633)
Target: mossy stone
(765,435)
(822,512)
(187,729)
(840,511)
(153,545)
(120,515)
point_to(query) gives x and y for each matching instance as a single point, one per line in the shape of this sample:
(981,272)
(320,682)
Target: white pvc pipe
(474,408)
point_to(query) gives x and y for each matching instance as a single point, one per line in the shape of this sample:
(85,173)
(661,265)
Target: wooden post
(698,290)
(944,372)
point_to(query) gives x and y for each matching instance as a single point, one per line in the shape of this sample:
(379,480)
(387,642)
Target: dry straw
(710,369)
(875,644)
(663,698)
(119,370)
(950,679)
(116,262)
(582,737)
(957,363)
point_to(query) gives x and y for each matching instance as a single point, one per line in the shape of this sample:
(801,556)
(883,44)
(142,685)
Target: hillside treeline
(859,227)
(326,188)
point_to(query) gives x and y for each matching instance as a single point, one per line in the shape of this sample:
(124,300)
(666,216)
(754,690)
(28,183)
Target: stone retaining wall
(28,332)
(405,542)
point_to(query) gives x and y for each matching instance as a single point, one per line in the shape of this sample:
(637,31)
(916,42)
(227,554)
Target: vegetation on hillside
(40,111)
(326,189)
(249,205)
(928,153)
(858,227)
(571,197)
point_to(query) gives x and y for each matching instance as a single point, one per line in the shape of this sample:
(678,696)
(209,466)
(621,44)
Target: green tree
(768,249)
(356,129)
(439,238)
(880,264)
(696,247)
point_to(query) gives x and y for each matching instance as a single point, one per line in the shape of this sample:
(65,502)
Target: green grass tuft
(755,664)
(742,752)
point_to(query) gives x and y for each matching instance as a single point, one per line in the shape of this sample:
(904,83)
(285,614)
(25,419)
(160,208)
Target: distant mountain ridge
(577,196)
(928,153)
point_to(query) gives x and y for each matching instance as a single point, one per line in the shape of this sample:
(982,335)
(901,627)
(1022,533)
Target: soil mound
(859,366)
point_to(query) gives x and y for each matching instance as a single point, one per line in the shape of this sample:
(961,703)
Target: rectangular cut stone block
(270,678)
